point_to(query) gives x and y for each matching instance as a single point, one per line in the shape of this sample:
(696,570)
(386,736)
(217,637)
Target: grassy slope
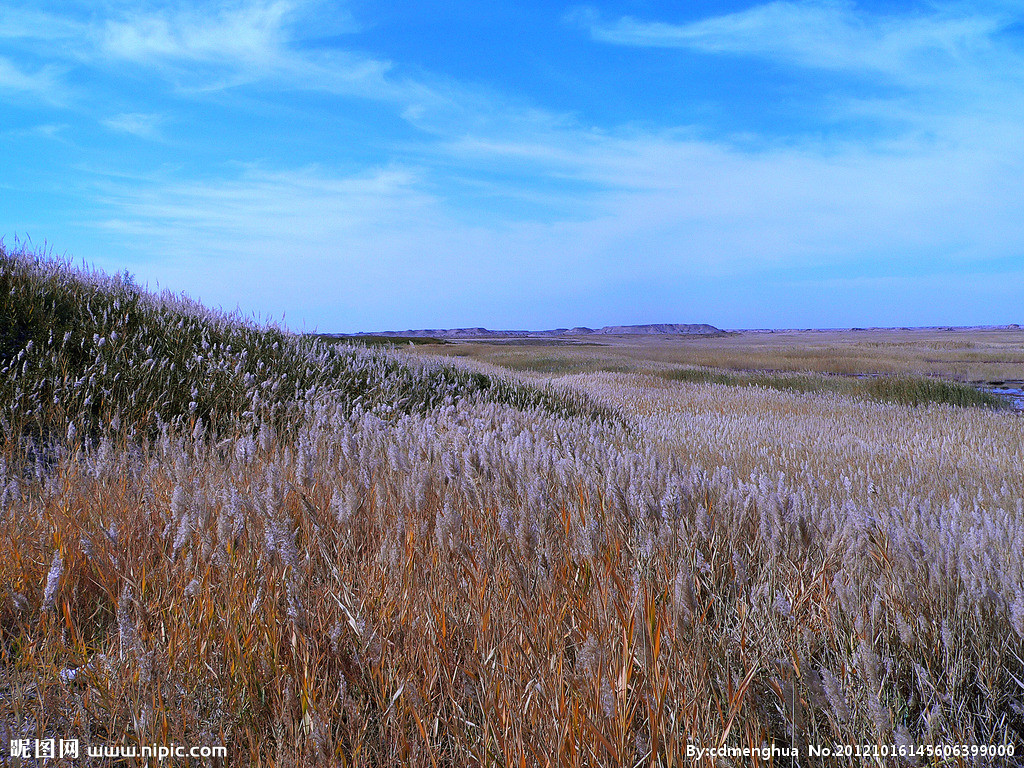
(92,350)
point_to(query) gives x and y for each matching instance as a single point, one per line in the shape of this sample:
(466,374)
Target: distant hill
(688,329)
(679,329)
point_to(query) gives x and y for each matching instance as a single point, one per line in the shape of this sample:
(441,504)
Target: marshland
(217,532)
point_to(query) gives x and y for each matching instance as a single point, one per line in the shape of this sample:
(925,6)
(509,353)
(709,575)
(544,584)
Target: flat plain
(975,355)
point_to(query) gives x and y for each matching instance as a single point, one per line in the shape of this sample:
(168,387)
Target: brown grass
(959,355)
(484,586)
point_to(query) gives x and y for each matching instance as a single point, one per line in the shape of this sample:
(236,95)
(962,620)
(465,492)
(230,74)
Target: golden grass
(486,586)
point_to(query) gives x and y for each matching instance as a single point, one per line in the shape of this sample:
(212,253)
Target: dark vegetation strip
(906,390)
(373,340)
(564,365)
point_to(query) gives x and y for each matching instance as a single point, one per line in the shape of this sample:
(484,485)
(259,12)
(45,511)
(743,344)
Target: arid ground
(968,355)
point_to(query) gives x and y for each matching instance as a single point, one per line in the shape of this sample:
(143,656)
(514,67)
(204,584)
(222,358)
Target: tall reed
(609,571)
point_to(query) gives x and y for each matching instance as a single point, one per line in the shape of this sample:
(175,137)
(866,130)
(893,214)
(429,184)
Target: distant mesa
(678,329)
(688,329)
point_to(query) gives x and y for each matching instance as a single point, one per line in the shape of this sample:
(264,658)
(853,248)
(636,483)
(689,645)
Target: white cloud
(265,46)
(733,211)
(50,130)
(249,35)
(43,84)
(264,212)
(259,43)
(828,35)
(34,25)
(212,46)
(649,210)
(145,126)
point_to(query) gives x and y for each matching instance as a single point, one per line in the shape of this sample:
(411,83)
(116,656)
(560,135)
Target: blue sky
(387,165)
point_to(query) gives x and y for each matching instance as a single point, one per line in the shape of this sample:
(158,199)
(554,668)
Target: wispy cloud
(205,46)
(42,84)
(52,131)
(260,205)
(948,128)
(683,206)
(356,241)
(145,126)
(250,35)
(683,209)
(265,46)
(224,45)
(827,35)
(734,211)
(31,24)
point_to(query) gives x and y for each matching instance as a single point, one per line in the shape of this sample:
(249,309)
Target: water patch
(1012,395)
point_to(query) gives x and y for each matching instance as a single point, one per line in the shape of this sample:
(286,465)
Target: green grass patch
(907,390)
(919,390)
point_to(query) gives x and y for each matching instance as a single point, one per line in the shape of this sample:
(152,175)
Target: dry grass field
(327,555)
(968,355)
